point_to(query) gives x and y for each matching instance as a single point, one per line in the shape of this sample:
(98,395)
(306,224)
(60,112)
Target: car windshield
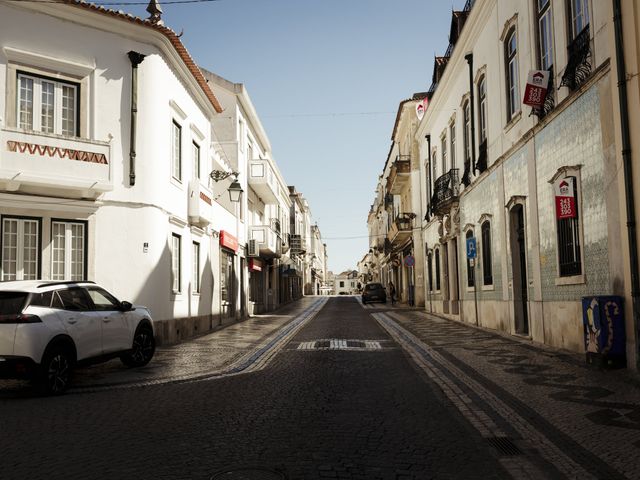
(12,302)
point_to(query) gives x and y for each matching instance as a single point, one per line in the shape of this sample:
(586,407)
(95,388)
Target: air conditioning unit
(254,250)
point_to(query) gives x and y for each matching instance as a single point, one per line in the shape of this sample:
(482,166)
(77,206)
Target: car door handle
(72,321)
(106,319)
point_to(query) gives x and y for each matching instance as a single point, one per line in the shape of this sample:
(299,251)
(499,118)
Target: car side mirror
(126,306)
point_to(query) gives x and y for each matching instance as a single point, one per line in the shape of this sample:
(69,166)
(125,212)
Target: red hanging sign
(536,90)
(228,241)
(565,198)
(255,265)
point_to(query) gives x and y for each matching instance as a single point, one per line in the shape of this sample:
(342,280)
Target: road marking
(440,371)
(340,344)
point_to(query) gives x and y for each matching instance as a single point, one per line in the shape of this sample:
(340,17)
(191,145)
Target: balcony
(263,181)
(400,174)
(445,192)
(73,167)
(200,204)
(268,241)
(401,229)
(579,63)
(481,163)
(298,244)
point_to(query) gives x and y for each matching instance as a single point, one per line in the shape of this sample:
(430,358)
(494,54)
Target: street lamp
(235,189)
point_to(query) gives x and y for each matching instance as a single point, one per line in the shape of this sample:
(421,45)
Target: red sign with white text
(536,89)
(255,265)
(228,241)
(565,198)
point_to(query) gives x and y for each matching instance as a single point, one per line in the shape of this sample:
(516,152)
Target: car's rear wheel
(55,371)
(142,350)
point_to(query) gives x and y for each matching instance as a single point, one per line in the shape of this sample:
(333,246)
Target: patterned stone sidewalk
(540,402)
(220,352)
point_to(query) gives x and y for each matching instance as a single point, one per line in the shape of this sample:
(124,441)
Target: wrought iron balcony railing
(481,162)
(579,64)
(445,190)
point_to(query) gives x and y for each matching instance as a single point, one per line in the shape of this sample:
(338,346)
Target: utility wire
(108,4)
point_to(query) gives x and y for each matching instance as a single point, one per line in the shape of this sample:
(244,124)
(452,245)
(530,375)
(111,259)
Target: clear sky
(326,78)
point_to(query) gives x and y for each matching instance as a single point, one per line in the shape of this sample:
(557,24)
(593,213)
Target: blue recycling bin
(604,332)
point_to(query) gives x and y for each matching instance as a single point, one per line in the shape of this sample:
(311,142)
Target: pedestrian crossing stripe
(340,344)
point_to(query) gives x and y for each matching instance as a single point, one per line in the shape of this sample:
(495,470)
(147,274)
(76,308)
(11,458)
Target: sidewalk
(583,421)
(207,355)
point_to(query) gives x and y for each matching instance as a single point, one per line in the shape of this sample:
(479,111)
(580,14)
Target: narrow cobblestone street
(327,388)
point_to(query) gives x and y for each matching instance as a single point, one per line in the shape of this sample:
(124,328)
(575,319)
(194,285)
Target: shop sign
(421,108)
(536,89)
(255,265)
(565,198)
(228,241)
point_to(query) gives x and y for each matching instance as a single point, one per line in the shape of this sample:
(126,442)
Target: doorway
(519,267)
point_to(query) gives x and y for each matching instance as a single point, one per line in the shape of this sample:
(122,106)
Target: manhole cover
(249,473)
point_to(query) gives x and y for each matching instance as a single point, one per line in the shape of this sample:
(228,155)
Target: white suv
(47,327)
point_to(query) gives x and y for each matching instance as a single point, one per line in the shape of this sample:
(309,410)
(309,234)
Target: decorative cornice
(563,171)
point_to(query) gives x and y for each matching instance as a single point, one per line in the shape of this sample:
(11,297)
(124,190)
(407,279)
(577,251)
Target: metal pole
(475,291)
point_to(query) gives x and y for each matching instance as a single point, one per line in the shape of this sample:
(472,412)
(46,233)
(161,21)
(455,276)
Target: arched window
(470,272)
(545,34)
(443,148)
(430,270)
(467,132)
(452,139)
(511,64)
(487,266)
(482,108)
(437,269)
(579,11)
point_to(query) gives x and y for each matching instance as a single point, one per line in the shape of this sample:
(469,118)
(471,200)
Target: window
(68,251)
(545,34)
(470,268)
(75,299)
(47,105)
(579,12)
(103,300)
(430,270)
(341,284)
(443,147)
(437,269)
(195,148)
(452,136)
(433,163)
(482,107)
(467,132)
(569,259)
(20,248)
(487,267)
(195,281)
(176,263)
(176,150)
(511,63)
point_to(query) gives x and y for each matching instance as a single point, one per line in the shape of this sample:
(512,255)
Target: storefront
(228,277)
(257,273)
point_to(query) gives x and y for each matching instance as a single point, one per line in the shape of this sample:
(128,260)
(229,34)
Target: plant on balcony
(579,64)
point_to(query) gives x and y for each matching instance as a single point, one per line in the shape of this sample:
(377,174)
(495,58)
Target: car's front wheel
(55,371)
(144,346)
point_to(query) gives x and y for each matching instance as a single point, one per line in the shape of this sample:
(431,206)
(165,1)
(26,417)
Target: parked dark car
(374,292)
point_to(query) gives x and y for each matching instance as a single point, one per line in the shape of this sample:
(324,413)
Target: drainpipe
(136,59)
(469,58)
(628,176)
(429,179)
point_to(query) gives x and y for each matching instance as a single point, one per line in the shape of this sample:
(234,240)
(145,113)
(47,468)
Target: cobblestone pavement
(333,390)
(347,404)
(584,422)
(221,352)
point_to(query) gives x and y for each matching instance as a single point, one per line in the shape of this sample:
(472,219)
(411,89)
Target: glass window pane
(9,249)
(175,263)
(25,103)
(176,149)
(68,110)
(196,161)
(30,250)
(47,107)
(57,251)
(196,268)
